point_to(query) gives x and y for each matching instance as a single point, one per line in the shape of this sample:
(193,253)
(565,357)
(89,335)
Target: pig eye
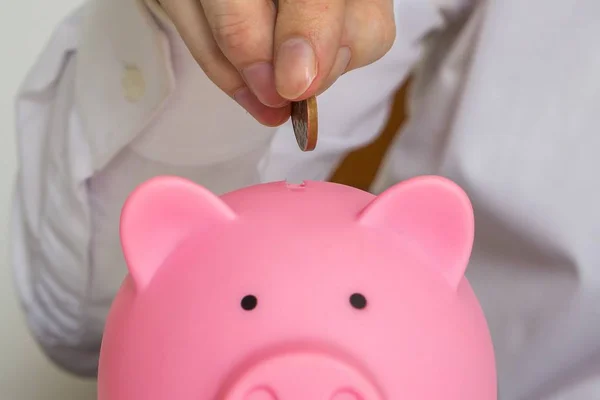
(249,302)
(358,301)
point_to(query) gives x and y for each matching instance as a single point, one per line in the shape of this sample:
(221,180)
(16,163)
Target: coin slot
(295,185)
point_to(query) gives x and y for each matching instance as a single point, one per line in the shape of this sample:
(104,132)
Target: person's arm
(50,222)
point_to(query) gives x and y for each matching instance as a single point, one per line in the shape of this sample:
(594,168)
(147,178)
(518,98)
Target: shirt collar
(124,74)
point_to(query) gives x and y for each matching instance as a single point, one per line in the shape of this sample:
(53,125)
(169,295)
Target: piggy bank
(312,291)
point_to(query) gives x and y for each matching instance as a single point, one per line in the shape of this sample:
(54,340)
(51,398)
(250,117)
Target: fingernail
(260,78)
(265,115)
(295,68)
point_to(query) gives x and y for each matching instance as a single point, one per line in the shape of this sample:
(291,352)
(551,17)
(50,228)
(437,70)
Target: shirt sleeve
(454,9)
(50,227)
(157,10)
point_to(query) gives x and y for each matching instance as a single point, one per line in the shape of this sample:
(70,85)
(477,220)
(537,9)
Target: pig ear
(158,215)
(435,213)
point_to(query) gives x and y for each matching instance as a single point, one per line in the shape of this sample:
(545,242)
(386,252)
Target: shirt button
(133,84)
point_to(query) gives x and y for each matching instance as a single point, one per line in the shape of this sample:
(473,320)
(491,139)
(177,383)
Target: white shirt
(503,93)
(508,106)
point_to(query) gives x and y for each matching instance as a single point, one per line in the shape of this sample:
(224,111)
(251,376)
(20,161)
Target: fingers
(316,41)
(370,30)
(269,116)
(369,33)
(264,57)
(190,20)
(243,29)
(307,38)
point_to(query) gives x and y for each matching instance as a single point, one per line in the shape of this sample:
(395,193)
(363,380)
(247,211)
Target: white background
(25,374)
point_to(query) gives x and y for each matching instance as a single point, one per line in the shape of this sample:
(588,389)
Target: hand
(265,56)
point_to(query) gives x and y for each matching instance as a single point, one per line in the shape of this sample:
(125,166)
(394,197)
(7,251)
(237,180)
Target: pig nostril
(346,395)
(249,302)
(261,394)
(358,301)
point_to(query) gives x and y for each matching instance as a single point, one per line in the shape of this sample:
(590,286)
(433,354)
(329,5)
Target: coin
(304,121)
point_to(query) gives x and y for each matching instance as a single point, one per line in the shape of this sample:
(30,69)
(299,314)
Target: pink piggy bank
(316,291)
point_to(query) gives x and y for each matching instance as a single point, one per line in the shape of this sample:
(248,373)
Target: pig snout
(302,376)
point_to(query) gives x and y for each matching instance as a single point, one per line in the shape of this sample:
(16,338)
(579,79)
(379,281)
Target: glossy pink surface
(178,331)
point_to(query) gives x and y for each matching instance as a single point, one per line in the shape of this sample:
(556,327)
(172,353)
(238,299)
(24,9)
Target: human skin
(265,55)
